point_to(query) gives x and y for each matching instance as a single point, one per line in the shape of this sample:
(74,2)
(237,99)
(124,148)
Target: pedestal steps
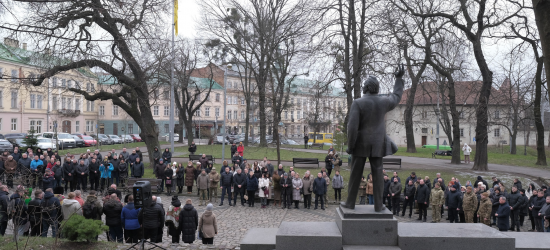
(348,247)
(530,240)
(308,235)
(259,239)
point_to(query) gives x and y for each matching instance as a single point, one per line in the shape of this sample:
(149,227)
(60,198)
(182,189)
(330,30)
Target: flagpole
(172,80)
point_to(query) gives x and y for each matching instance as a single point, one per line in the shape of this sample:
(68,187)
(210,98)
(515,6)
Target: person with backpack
(4,200)
(18,211)
(92,208)
(50,208)
(130,222)
(35,214)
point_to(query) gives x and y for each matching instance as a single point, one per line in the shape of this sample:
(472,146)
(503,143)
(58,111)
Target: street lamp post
(229,66)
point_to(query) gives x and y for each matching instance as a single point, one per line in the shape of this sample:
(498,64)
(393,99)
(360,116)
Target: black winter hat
(175,201)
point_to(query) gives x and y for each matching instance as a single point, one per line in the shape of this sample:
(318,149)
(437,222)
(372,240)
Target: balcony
(68,112)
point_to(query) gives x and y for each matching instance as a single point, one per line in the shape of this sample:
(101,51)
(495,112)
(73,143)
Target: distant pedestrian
(337,185)
(467,150)
(240,149)
(306,140)
(362,191)
(192,148)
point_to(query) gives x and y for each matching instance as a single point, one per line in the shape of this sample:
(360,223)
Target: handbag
(168,182)
(245,197)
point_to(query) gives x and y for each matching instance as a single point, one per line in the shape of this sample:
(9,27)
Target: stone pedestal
(530,240)
(364,226)
(308,236)
(259,239)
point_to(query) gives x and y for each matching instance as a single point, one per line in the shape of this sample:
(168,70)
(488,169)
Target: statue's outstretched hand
(400,71)
(349,151)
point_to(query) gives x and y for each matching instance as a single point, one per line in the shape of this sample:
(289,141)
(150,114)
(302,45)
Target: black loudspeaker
(142,194)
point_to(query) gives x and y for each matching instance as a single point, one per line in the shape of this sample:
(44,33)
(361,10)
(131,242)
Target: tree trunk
(513,143)
(179,130)
(189,131)
(481,158)
(408,116)
(456,124)
(541,153)
(247,121)
(149,136)
(527,138)
(276,139)
(542,18)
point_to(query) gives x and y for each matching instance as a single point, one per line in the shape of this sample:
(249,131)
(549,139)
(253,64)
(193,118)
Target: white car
(167,137)
(127,138)
(116,139)
(44,143)
(64,140)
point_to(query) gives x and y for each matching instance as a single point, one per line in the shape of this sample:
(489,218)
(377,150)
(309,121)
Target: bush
(78,228)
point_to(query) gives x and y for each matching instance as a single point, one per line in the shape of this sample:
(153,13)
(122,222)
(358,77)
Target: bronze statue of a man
(367,136)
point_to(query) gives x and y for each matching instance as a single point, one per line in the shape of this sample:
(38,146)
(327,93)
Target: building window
(497,132)
(115,110)
(155,110)
(156,93)
(54,82)
(89,126)
(198,113)
(286,115)
(298,114)
(217,112)
(424,114)
(69,103)
(63,102)
(102,110)
(242,101)
(218,97)
(207,111)
(13,124)
(54,103)
(36,125)
(235,114)
(424,130)
(229,115)
(130,128)
(69,84)
(497,114)
(166,94)
(14,99)
(235,100)
(166,110)
(63,83)
(39,99)
(88,87)
(90,105)
(461,132)
(461,115)
(292,114)
(243,115)
(166,128)
(33,101)
(77,103)
(77,126)
(1,98)
(87,105)
(14,75)
(1,74)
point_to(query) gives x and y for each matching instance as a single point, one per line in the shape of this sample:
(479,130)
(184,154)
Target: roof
(466,93)
(36,59)
(106,79)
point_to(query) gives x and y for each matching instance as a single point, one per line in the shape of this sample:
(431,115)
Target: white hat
(174,163)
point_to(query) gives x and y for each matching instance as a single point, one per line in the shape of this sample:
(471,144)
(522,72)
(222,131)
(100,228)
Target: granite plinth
(370,248)
(530,240)
(372,230)
(365,212)
(460,236)
(259,239)
(308,236)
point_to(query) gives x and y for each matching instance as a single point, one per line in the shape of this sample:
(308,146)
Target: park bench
(155,184)
(317,145)
(305,161)
(194,158)
(441,153)
(391,161)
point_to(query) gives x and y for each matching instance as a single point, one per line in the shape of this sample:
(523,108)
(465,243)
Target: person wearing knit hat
(208,226)
(172,217)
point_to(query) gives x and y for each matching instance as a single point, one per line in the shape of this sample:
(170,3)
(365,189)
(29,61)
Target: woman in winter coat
(188,223)
(264,189)
(240,149)
(208,225)
(169,175)
(276,188)
(189,177)
(467,150)
(257,171)
(105,169)
(167,156)
(172,219)
(123,171)
(180,176)
(251,187)
(297,184)
(130,222)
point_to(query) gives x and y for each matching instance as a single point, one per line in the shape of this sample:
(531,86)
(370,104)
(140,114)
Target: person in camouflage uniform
(436,200)
(485,207)
(469,204)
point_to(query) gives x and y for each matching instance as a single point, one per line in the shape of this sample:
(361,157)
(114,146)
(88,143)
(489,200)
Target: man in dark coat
(192,148)
(156,155)
(286,191)
(204,161)
(395,192)
(306,139)
(82,176)
(386,194)
(409,193)
(226,180)
(454,203)
(112,208)
(319,189)
(233,148)
(151,219)
(93,172)
(422,198)
(367,136)
(188,222)
(68,175)
(514,199)
(536,205)
(503,212)
(159,173)
(4,200)
(239,180)
(35,214)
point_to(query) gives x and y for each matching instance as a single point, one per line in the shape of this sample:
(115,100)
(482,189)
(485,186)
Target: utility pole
(437,121)
(172,80)
(228,67)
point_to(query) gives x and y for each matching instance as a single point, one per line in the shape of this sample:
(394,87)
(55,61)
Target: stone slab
(259,239)
(460,236)
(371,232)
(530,240)
(348,247)
(365,212)
(308,236)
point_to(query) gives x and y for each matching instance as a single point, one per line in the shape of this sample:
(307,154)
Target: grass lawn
(497,155)
(254,153)
(49,243)
(106,148)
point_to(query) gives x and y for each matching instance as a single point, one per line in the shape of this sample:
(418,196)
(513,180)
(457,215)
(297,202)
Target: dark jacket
(51,208)
(132,158)
(233,149)
(387,184)
(156,154)
(153,217)
(252,183)
(129,217)
(81,169)
(140,154)
(524,208)
(226,179)
(4,200)
(34,211)
(193,148)
(537,204)
(93,169)
(422,194)
(319,186)
(410,191)
(180,175)
(454,199)
(20,216)
(240,179)
(159,170)
(169,173)
(48,182)
(514,200)
(25,162)
(93,208)
(204,162)
(68,168)
(328,162)
(395,188)
(517,184)
(137,169)
(112,210)
(122,169)
(414,179)
(503,212)
(288,181)
(167,156)
(188,223)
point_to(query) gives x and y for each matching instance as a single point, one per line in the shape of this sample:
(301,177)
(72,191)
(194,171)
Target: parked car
(2,136)
(16,142)
(166,137)
(45,143)
(103,139)
(136,137)
(218,139)
(79,142)
(79,135)
(64,140)
(127,138)
(116,139)
(89,141)
(15,136)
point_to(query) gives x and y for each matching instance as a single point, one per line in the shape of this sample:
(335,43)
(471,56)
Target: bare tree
(542,17)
